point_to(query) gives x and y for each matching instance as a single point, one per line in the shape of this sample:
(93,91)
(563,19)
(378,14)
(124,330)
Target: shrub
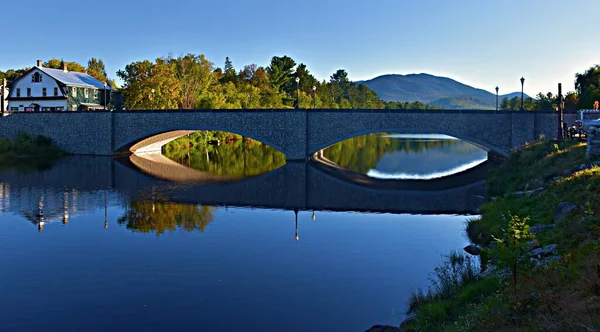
(5,145)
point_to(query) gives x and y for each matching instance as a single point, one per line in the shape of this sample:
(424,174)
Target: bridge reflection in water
(295,186)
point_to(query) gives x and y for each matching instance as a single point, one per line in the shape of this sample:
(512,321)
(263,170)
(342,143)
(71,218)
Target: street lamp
(522,84)
(497,97)
(152,98)
(314,96)
(297,92)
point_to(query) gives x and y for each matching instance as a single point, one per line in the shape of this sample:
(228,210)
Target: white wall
(36,88)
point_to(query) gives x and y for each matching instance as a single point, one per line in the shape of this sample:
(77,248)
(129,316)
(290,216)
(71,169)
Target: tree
(229,74)
(58,64)
(280,73)
(148,85)
(195,77)
(97,66)
(545,102)
(587,86)
(505,104)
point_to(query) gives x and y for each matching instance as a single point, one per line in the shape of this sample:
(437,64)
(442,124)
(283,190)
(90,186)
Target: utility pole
(559,102)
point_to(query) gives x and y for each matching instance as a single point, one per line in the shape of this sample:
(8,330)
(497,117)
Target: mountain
(433,90)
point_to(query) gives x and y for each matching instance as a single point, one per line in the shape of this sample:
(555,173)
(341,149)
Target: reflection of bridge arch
(294,186)
(464,178)
(486,146)
(164,168)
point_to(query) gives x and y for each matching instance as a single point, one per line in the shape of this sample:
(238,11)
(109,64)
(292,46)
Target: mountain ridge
(433,90)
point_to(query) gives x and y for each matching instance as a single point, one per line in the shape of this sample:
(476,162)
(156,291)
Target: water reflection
(240,157)
(406,156)
(216,249)
(160,217)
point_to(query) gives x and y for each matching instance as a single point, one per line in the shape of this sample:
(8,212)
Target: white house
(3,96)
(46,89)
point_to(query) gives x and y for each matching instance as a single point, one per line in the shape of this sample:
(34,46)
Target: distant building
(3,96)
(44,89)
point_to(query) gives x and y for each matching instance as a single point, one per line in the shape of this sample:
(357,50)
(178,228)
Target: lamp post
(497,97)
(152,98)
(314,96)
(522,85)
(105,96)
(297,92)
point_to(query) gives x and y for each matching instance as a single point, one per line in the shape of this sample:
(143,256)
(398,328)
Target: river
(231,237)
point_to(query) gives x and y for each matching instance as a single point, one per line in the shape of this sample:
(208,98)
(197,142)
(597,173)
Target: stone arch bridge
(297,133)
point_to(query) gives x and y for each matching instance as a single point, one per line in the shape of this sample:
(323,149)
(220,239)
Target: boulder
(538,228)
(544,262)
(557,178)
(567,172)
(473,249)
(563,209)
(544,251)
(533,244)
(383,328)
(528,192)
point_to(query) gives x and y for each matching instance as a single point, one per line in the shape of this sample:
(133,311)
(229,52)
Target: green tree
(280,73)
(587,86)
(505,104)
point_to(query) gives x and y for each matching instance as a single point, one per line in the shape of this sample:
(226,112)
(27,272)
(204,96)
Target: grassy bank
(530,284)
(28,151)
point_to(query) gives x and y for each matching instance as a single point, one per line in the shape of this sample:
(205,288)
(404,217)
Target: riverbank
(538,240)
(28,152)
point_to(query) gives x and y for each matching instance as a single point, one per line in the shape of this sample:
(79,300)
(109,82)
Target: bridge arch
(152,141)
(477,142)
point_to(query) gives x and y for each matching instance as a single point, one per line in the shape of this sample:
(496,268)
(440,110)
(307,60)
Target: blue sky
(481,43)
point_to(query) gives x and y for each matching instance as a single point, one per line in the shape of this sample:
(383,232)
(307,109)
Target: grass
(564,296)
(29,152)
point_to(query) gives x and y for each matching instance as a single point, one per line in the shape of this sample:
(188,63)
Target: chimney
(39,63)
(64,68)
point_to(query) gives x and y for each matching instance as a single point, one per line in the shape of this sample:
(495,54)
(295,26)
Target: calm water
(229,238)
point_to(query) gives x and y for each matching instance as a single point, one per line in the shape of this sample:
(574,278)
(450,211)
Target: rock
(528,192)
(533,244)
(408,321)
(596,163)
(544,262)
(383,328)
(563,209)
(567,172)
(538,228)
(544,251)
(585,166)
(557,178)
(473,249)
(493,270)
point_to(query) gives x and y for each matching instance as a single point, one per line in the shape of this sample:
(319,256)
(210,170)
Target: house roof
(73,78)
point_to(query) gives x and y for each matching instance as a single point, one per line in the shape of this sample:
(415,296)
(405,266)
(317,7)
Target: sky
(481,43)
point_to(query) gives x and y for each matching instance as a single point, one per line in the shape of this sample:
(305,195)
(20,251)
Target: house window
(36,78)
(74,91)
(18,92)
(43,92)
(95,94)
(85,93)
(55,92)
(28,92)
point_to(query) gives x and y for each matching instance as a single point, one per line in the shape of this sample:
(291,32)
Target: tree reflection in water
(159,217)
(362,154)
(241,157)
